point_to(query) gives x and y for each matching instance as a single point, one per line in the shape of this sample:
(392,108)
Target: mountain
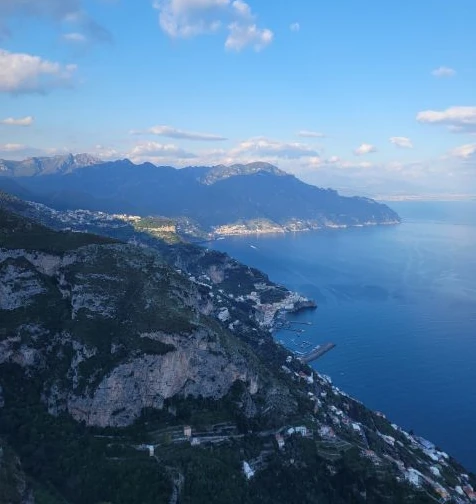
(210,175)
(37,166)
(257,197)
(148,373)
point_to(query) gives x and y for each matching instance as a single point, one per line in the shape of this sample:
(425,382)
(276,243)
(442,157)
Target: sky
(369,97)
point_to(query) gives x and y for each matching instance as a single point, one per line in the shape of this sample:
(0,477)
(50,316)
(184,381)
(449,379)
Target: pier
(316,353)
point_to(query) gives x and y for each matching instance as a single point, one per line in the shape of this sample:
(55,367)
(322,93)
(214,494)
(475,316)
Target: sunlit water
(400,303)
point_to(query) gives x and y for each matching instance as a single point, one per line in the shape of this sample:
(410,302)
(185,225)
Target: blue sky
(365,96)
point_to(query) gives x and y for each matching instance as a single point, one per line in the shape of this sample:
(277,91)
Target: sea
(399,302)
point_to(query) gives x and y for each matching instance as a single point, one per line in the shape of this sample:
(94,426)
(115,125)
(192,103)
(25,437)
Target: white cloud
(258,148)
(19,151)
(458,119)
(402,142)
(157,151)
(464,151)
(242,8)
(443,72)
(24,73)
(62,11)
(21,121)
(242,35)
(353,165)
(56,9)
(310,134)
(105,153)
(75,37)
(365,148)
(170,132)
(12,147)
(294,27)
(189,18)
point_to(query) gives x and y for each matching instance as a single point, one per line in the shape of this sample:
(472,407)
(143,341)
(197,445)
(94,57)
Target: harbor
(316,352)
(302,351)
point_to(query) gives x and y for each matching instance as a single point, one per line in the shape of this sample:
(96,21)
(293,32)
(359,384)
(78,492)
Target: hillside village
(298,421)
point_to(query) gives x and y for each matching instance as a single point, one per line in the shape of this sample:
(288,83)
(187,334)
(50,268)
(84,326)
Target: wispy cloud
(21,121)
(68,12)
(170,132)
(443,72)
(294,27)
(106,153)
(310,134)
(155,150)
(25,73)
(12,147)
(75,37)
(21,151)
(466,151)
(402,142)
(189,18)
(243,35)
(458,119)
(365,148)
(258,148)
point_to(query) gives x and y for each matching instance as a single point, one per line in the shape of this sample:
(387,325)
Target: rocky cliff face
(129,332)
(37,166)
(109,349)
(196,368)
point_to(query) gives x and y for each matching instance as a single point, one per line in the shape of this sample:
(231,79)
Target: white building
(249,473)
(280,441)
(224,315)
(413,477)
(356,427)
(435,471)
(301,430)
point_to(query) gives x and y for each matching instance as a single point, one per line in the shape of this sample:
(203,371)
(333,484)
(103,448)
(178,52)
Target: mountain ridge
(256,197)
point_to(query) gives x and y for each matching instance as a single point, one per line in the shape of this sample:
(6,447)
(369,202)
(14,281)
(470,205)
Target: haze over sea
(400,303)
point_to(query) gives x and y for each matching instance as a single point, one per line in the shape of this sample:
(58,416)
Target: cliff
(132,373)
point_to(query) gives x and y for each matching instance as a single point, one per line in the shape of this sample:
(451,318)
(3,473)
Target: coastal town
(336,426)
(334,429)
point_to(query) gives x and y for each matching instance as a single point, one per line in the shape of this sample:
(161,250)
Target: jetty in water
(316,352)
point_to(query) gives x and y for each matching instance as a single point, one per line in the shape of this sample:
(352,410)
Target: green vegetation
(162,228)
(61,454)
(18,233)
(274,295)
(110,304)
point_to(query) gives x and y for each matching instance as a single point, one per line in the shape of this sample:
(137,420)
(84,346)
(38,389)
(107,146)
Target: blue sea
(400,304)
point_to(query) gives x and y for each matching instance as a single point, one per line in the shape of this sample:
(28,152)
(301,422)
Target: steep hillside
(257,197)
(14,487)
(123,380)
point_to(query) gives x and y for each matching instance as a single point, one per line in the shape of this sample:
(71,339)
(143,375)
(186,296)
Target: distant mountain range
(46,165)
(256,197)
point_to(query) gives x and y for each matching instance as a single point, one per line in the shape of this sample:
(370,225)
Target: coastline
(241,230)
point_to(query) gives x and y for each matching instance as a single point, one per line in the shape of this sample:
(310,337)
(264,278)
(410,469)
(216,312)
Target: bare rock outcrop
(195,368)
